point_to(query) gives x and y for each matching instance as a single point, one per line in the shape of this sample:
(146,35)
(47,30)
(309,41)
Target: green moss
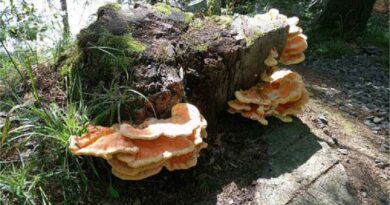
(196,24)
(107,56)
(222,21)
(133,46)
(113,6)
(165,8)
(188,17)
(201,47)
(69,64)
(117,51)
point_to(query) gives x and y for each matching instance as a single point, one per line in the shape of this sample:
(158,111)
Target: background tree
(346,18)
(65,21)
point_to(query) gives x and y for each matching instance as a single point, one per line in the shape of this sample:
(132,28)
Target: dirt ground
(364,155)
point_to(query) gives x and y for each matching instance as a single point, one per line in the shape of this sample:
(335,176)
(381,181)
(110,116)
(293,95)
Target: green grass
(378,32)
(115,104)
(324,47)
(35,165)
(47,172)
(17,184)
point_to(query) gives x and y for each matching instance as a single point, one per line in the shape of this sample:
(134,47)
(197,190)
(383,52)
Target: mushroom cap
(254,115)
(237,105)
(232,111)
(196,137)
(182,162)
(252,96)
(292,108)
(139,176)
(293,21)
(273,13)
(281,89)
(265,76)
(185,118)
(294,30)
(93,133)
(292,59)
(294,51)
(285,93)
(296,45)
(153,151)
(203,132)
(286,87)
(145,149)
(297,42)
(270,61)
(121,167)
(190,159)
(104,146)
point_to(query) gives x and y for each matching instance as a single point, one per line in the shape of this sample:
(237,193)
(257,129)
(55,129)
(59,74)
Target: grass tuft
(115,104)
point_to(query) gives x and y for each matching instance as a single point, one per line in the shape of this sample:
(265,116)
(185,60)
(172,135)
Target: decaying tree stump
(171,56)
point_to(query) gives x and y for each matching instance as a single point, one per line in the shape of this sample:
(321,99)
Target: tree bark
(202,61)
(346,17)
(65,19)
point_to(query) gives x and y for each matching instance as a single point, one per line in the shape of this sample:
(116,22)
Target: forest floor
(336,152)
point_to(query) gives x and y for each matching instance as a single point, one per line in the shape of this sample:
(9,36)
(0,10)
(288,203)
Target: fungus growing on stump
(272,65)
(296,44)
(172,57)
(284,95)
(139,151)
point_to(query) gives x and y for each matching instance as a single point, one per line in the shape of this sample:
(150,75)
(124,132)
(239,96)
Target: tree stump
(171,56)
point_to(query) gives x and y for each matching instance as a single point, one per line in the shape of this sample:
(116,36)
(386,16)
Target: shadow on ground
(241,152)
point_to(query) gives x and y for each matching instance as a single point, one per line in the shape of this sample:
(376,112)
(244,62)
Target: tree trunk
(346,17)
(201,60)
(65,19)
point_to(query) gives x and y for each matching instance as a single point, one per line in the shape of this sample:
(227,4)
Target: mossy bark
(201,60)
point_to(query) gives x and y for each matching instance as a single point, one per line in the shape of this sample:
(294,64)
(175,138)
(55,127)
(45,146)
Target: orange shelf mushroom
(137,152)
(272,63)
(185,118)
(296,44)
(284,95)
